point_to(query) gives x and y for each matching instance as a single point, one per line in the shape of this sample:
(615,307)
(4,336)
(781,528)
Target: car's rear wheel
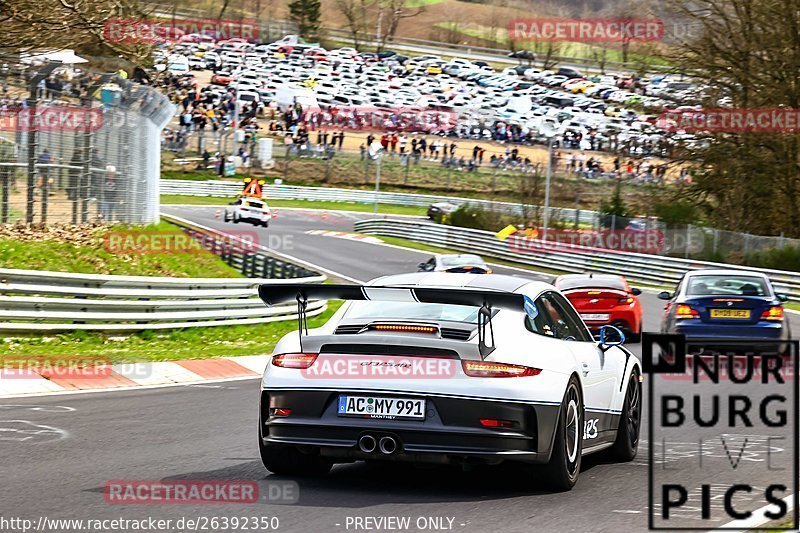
(627,443)
(289,461)
(565,461)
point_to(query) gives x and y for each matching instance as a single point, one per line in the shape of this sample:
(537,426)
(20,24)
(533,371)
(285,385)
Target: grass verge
(148,345)
(108,250)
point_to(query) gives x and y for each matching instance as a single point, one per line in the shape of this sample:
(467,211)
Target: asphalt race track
(70,446)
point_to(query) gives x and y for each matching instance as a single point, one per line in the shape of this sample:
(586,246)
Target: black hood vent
(456,334)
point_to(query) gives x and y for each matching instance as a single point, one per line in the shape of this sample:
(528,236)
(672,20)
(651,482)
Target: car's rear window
(594,282)
(461,260)
(726,285)
(412,310)
(254,205)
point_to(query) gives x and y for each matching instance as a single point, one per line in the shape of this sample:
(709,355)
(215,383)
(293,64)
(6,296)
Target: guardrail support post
(5,178)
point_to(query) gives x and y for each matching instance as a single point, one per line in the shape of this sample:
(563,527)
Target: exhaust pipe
(367,444)
(387,445)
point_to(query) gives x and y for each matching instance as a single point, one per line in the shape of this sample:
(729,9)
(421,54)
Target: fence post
(5,177)
(688,237)
(716,240)
(32,103)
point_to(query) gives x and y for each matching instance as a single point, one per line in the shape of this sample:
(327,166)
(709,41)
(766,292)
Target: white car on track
(248,209)
(446,368)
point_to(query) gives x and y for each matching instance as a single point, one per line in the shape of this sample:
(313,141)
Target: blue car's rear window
(726,285)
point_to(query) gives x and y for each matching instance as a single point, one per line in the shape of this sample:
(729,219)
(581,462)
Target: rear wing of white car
(486,300)
(278,294)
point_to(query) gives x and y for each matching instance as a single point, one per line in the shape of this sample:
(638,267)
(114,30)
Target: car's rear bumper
(627,319)
(450,433)
(768,331)
(733,337)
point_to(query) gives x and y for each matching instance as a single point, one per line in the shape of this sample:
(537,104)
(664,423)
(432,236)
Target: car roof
(499,282)
(725,272)
(442,256)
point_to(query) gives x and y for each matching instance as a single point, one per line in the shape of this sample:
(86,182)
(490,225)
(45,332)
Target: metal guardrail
(640,268)
(36,301)
(294,192)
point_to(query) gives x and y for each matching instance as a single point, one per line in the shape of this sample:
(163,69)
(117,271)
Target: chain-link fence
(77,146)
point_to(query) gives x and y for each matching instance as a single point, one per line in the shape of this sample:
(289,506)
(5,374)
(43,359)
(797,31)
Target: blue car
(726,305)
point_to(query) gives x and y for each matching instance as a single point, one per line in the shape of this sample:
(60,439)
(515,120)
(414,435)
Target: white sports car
(446,368)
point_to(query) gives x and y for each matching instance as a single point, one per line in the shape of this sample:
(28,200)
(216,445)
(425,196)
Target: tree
(394,11)
(306,14)
(749,54)
(355,14)
(54,24)
(615,212)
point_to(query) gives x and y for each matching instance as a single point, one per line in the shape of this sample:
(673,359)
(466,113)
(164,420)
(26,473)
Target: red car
(603,299)
(221,78)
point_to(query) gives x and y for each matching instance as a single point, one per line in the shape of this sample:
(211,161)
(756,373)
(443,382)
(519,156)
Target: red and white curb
(133,375)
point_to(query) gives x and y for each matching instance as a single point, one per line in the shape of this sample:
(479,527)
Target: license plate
(379,407)
(730,313)
(595,317)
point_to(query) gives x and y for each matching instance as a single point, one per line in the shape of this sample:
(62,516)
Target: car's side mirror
(664,295)
(636,291)
(610,336)
(783,297)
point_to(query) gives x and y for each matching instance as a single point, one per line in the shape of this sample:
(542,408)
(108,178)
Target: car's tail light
(774,313)
(404,328)
(294,360)
(686,311)
(626,300)
(495,423)
(281,411)
(486,369)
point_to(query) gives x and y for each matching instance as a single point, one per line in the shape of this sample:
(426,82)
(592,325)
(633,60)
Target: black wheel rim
(633,416)
(572,431)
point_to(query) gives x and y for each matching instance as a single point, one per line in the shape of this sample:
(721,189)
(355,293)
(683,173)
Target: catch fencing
(37,301)
(686,241)
(77,146)
(639,268)
(295,192)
